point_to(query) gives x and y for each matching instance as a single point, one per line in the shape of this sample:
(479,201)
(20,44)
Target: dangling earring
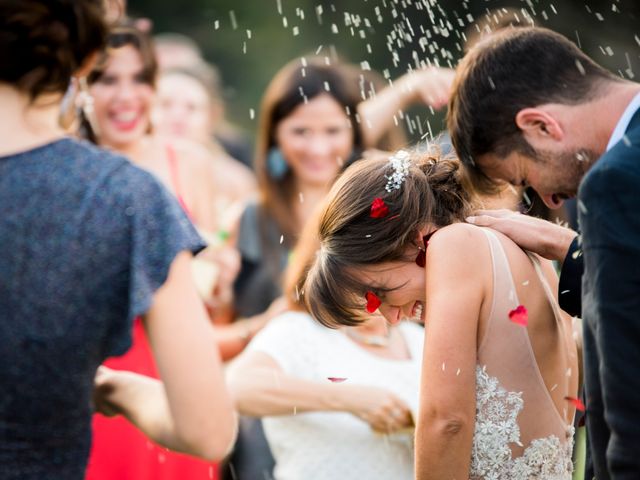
(85,102)
(68,111)
(277,166)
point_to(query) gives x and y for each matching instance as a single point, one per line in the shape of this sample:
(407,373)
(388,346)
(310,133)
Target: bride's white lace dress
(497,427)
(522,431)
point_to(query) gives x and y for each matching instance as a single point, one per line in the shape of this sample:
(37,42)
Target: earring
(85,103)
(277,166)
(68,111)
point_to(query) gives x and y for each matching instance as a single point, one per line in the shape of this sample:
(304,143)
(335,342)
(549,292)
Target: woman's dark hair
(431,194)
(121,35)
(126,34)
(44,42)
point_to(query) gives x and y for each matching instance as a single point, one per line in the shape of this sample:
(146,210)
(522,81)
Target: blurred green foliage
(249,40)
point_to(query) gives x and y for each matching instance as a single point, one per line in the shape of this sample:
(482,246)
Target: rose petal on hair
(373,302)
(378,208)
(519,315)
(576,402)
(336,379)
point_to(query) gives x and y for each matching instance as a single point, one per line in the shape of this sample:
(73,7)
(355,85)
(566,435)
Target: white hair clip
(400,161)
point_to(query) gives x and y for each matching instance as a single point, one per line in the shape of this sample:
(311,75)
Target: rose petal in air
(373,302)
(576,402)
(336,379)
(519,315)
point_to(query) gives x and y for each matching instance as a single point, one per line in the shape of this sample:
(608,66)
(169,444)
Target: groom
(530,108)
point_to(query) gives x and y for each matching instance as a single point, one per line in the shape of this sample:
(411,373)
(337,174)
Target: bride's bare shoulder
(458,235)
(462,243)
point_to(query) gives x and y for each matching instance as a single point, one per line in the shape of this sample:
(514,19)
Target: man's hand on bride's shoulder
(547,239)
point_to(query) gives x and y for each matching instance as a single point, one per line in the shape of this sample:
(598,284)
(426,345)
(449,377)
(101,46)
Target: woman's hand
(105,384)
(431,85)
(383,410)
(547,239)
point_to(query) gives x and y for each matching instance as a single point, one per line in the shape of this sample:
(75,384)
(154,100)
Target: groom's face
(555,175)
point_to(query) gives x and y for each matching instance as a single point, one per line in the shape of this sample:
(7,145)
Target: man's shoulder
(617,166)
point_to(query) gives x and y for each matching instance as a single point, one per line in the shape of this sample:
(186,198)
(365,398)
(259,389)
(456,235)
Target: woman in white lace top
(500,370)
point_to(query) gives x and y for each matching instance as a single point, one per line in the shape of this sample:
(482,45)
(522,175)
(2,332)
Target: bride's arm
(457,262)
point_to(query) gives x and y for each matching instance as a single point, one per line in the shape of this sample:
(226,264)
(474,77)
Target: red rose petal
(576,402)
(378,208)
(519,315)
(336,379)
(421,259)
(373,302)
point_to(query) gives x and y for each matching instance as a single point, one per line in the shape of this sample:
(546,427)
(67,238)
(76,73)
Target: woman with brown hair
(91,242)
(308,132)
(500,370)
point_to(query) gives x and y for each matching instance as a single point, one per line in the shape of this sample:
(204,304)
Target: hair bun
(43,42)
(444,176)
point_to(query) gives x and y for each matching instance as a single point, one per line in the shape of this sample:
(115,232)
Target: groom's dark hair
(510,70)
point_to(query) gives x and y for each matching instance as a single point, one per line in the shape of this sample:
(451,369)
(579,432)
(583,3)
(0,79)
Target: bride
(500,370)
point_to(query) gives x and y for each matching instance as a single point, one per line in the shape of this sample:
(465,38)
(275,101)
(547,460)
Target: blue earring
(277,166)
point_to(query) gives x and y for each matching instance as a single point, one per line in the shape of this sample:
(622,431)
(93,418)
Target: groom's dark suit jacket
(608,206)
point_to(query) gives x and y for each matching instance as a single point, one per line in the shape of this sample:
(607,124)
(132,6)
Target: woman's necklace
(370,340)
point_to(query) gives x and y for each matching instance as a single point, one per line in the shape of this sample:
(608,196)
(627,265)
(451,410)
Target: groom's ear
(538,126)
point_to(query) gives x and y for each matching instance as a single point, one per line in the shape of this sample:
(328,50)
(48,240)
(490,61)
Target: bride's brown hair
(431,194)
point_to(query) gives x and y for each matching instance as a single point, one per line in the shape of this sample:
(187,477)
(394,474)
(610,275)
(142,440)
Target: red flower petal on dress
(519,315)
(378,208)
(576,402)
(336,379)
(373,302)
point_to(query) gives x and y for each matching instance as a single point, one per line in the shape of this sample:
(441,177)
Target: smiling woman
(122,90)
(117,115)
(315,139)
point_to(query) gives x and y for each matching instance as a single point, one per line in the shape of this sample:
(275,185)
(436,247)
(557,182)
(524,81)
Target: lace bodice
(497,427)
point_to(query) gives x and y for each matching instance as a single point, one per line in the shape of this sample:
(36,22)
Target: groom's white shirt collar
(623,123)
